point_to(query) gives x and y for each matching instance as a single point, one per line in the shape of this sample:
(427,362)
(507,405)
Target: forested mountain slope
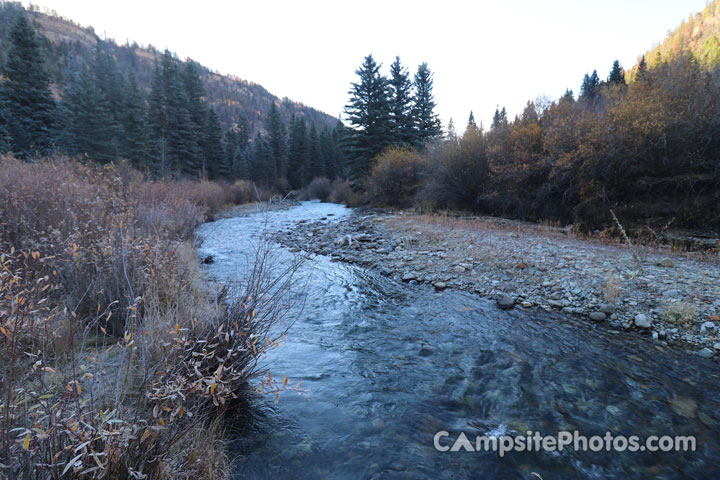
(70,46)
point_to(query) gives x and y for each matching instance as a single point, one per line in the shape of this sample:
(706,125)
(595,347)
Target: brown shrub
(342,192)
(396,176)
(105,323)
(319,188)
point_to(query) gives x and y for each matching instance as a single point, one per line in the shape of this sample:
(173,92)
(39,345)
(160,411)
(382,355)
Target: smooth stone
(716,346)
(440,285)
(642,321)
(607,308)
(526,304)
(409,276)
(505,302)
(597,316)
(706,325)
(667,262)
(459,269)
(706,353)
(655,335)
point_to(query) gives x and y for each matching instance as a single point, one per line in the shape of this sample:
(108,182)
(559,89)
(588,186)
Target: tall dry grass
(118,360)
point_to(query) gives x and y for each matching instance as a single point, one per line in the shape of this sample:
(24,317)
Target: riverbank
(672,297)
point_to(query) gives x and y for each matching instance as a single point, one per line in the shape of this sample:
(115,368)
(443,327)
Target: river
(387,365)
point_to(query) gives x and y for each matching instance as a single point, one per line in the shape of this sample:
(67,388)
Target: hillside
(68,45)
(699,34)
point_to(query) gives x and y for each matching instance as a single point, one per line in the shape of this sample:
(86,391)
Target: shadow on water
(389,365)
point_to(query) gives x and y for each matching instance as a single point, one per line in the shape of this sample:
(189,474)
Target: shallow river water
(387,365)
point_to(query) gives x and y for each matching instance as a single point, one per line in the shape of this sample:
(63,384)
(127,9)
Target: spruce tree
(90,129)
(369,114)
(198,111)
(215,165)
(298,153)
(110,84)
(316,167)
(617,75)
(5,140)
(176,138)
(136,145)
(25,93)
(642,71)
(277,141)
(499,119)
(403,131)
(471,125)
(427,123)
(589,87)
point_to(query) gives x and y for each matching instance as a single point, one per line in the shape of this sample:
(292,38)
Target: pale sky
(483,53)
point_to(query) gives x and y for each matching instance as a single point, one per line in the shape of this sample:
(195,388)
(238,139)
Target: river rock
(716,346)
(667,262)
(706,353)
(597,316)
(409,276)
(505,302)
(607,308)
(642,321)
(459,269)
(707,325)
(526,304)
(439,285)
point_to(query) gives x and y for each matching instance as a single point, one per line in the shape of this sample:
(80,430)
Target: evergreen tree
(198,111)
(589,86)
(427,123)
(298,153)
(316,167)
(451,133)
(109,83)
(176,143)
(401,119)
(277,141)
(499,119)
(327,153)
(369,114)
(136,146)
(25,93)
(213,153)
(89,130)
(260,165)
(471,125)
(5,140)
(642,74)
(617,75)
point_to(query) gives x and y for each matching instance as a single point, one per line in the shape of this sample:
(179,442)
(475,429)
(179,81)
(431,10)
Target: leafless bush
(319,188)
(342,192)
(115,360)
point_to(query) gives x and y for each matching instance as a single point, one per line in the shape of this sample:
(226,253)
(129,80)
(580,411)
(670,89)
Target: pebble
(409,276)
(706,325)
(667,262)
(706,353)
(716,346)
(607,308)
(526,304)
(597,316)
(505,302)
(440,285)
(459,269)
(642,321)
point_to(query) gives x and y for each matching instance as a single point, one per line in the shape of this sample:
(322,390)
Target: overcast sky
(483,53)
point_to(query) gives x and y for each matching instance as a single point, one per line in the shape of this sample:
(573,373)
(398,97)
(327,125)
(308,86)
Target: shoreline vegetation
(119,359)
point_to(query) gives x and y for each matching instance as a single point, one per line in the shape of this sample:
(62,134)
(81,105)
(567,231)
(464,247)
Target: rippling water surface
(388,365)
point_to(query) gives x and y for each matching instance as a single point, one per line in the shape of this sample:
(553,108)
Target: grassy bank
(118,361)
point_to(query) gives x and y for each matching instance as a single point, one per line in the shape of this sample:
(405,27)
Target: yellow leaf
(145,435)
(177,328)
(26,442)
(212,388)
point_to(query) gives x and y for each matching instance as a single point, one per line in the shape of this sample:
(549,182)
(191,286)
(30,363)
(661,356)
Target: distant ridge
(69,45)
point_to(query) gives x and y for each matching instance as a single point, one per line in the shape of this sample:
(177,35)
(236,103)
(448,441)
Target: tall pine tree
(401,115)
(136,145)
(617,75)
(277,141)
(427,123)
(25,93)
(369,114)
(298,153)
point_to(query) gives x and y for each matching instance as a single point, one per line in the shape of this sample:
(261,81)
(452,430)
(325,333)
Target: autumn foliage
(116,354)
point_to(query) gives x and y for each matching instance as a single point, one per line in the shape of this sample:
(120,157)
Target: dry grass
(118,362)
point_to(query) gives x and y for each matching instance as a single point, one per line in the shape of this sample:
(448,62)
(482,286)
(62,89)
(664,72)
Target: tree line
(647,149)
(173,131)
